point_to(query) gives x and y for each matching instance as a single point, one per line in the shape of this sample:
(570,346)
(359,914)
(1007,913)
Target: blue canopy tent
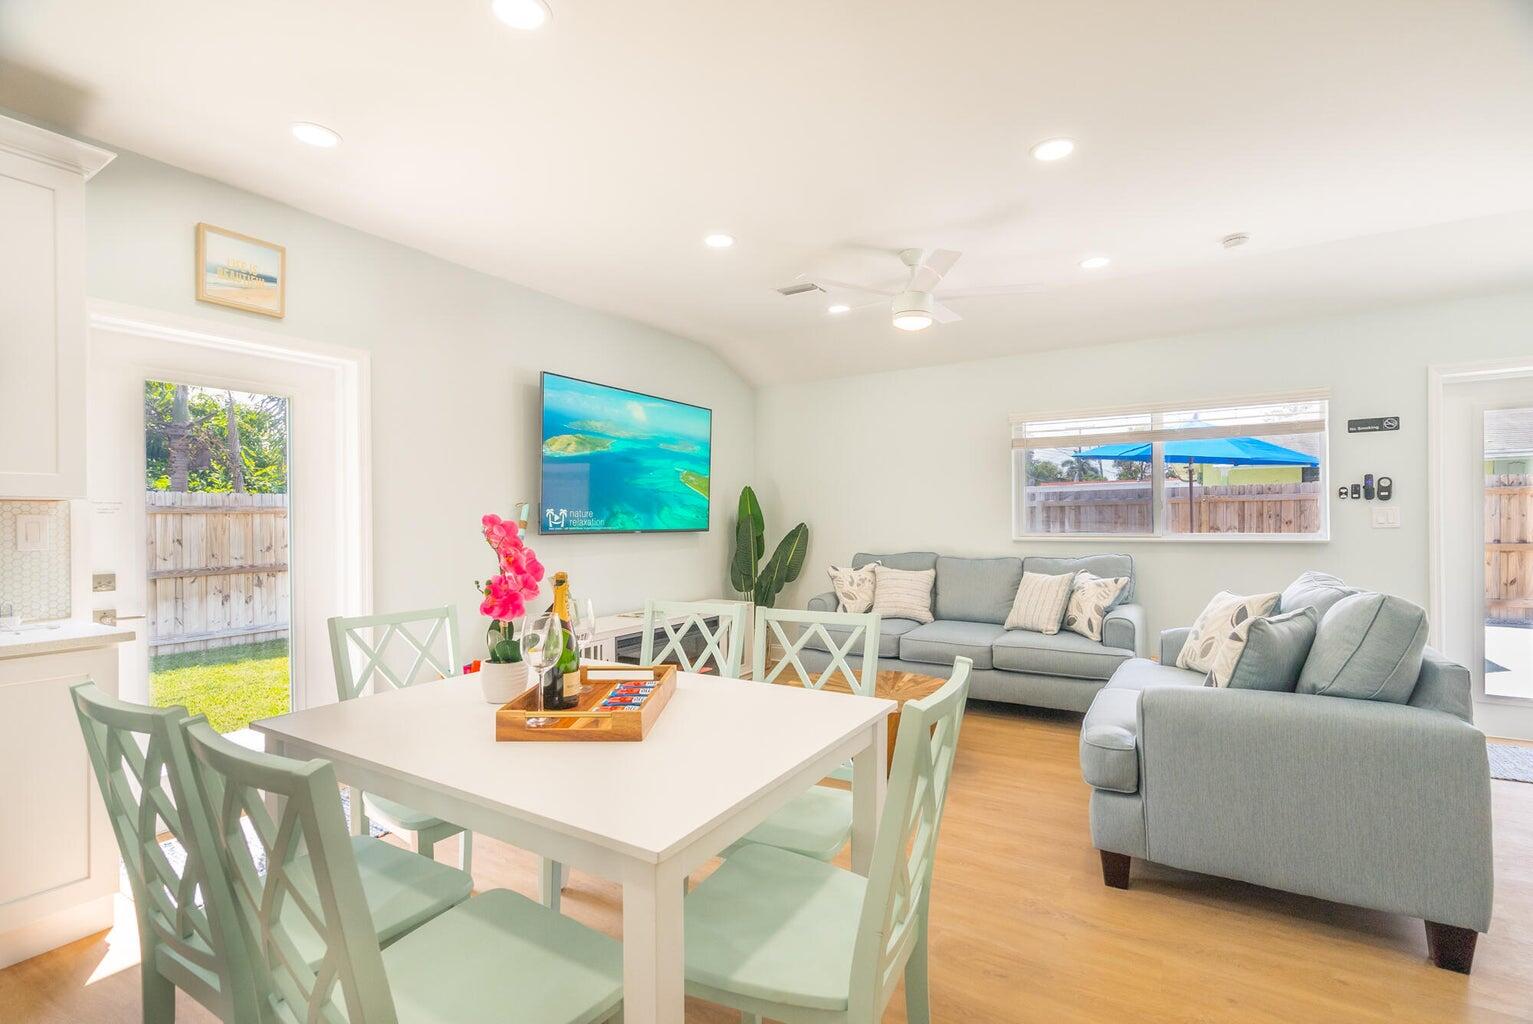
(1213,451)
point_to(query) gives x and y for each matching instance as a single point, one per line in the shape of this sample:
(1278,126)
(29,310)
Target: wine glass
(542,645)
(583,622)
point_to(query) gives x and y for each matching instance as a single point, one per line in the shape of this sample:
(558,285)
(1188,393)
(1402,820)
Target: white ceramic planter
(499,682)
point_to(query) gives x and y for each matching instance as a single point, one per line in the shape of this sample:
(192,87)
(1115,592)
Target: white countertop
(56,637)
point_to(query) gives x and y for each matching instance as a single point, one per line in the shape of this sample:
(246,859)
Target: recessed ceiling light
(913,321)
(315,134)
(1235,241)
(523,14)
(1094,262)
(1053,149)
(836,309)
(719,240)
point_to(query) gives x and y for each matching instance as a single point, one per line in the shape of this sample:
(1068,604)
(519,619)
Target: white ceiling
(1376,150)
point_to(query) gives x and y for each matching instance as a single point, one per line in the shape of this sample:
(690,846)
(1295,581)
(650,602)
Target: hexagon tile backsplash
(36,582)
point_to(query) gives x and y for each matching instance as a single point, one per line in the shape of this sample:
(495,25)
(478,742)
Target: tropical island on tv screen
(620,461)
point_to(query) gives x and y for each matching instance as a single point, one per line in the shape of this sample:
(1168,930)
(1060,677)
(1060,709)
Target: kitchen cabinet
(42,310)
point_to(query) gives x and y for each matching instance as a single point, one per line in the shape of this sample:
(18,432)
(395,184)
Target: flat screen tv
(617,461)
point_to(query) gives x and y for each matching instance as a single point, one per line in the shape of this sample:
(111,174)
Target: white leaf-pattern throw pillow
(903,593)
(1219,634)
(1089,600)
(853,587)
(1040,602)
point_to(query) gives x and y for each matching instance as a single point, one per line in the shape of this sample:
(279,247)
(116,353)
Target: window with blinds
(1253,468)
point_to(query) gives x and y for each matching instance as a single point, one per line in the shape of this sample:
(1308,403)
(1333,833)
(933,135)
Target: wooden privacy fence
(218,570)
(1509,548)
(1124,507)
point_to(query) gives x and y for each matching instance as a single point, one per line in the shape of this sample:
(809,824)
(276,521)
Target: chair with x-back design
(680,621)
(361,647)
(818,822)
(497,955)
(145,774)
(789,938)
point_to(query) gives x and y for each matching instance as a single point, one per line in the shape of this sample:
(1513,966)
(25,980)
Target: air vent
(800,288)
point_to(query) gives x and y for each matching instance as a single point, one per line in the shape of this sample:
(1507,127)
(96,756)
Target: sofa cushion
(1219,633)
(1106,566)
(938,643)
(1275,651)
(976,589)
(889,633)
(1109,741)
(903,593)
(1057,654)
(1317,590)
(1368,647)
(912,561)
(1091,597)
(853,588)
(1144,674)
(1040,603)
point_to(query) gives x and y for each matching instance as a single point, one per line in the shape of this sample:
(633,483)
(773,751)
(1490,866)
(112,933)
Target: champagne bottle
(564,681)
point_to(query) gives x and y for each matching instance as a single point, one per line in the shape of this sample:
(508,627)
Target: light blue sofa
(1367,802)
(972,598)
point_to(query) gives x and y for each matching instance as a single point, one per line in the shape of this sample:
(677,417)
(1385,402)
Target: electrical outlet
(1386,519)
(103,582)
(104,616)
(32,533)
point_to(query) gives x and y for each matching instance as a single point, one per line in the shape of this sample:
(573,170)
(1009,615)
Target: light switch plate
(103,582)
(1386,519)
(32,533)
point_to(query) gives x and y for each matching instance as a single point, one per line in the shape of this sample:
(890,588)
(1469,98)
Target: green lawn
(233,686)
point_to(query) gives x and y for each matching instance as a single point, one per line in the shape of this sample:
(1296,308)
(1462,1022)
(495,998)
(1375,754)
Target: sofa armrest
(1123,626)
(825,602)
(1171,641)
(1368,803)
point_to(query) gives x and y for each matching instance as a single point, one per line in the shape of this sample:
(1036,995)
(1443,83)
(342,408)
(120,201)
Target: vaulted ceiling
(1376,151)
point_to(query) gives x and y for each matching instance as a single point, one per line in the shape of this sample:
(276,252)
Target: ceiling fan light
(912,321)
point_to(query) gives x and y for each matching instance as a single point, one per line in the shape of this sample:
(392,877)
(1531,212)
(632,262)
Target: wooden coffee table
(892,685)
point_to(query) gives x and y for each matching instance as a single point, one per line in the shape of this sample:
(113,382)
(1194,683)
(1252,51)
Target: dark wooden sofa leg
(1115,870)
(1449,946)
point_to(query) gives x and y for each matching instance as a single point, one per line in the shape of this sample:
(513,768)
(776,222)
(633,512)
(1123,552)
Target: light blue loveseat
(972,597)
(1369,802)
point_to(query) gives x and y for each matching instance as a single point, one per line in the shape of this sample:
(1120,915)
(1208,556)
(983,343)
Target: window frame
(1160,535)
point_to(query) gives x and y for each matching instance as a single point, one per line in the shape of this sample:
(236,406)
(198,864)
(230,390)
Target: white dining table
(724,755)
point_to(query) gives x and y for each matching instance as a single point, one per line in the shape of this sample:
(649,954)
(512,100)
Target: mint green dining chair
(496,957)
(724,645)
(145,776)
(818,822)
(361,647)
(786,937)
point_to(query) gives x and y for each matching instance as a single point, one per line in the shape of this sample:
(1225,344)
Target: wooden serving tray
(585,721)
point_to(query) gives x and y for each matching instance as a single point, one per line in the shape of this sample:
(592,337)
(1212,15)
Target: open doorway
(218,581)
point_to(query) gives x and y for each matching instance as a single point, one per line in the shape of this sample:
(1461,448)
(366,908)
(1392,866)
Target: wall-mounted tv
(617,461)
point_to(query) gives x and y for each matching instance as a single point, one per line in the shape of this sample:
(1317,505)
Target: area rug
(1510,762)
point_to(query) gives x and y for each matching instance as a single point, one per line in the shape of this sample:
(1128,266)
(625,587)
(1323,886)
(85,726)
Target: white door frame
(1505,716)
(349,370)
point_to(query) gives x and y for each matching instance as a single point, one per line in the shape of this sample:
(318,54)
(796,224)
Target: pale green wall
(920,458)
(456,356)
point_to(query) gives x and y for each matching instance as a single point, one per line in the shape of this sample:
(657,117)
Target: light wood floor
(1024,930)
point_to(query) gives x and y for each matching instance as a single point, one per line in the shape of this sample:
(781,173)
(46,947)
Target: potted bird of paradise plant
(516,582)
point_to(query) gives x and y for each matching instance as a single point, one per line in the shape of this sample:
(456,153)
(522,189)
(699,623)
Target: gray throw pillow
(1369,647)
(1275,651)
(1317,590)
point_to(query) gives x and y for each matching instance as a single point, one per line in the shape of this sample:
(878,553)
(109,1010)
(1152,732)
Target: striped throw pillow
(1040,602)
(903,593)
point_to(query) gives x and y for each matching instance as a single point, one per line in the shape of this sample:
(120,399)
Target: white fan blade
(832,285)
(943,315)
(926,276)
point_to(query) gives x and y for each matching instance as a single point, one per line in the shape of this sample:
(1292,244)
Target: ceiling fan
(914,307)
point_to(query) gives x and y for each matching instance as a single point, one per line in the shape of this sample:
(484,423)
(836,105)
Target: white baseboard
(56,930)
